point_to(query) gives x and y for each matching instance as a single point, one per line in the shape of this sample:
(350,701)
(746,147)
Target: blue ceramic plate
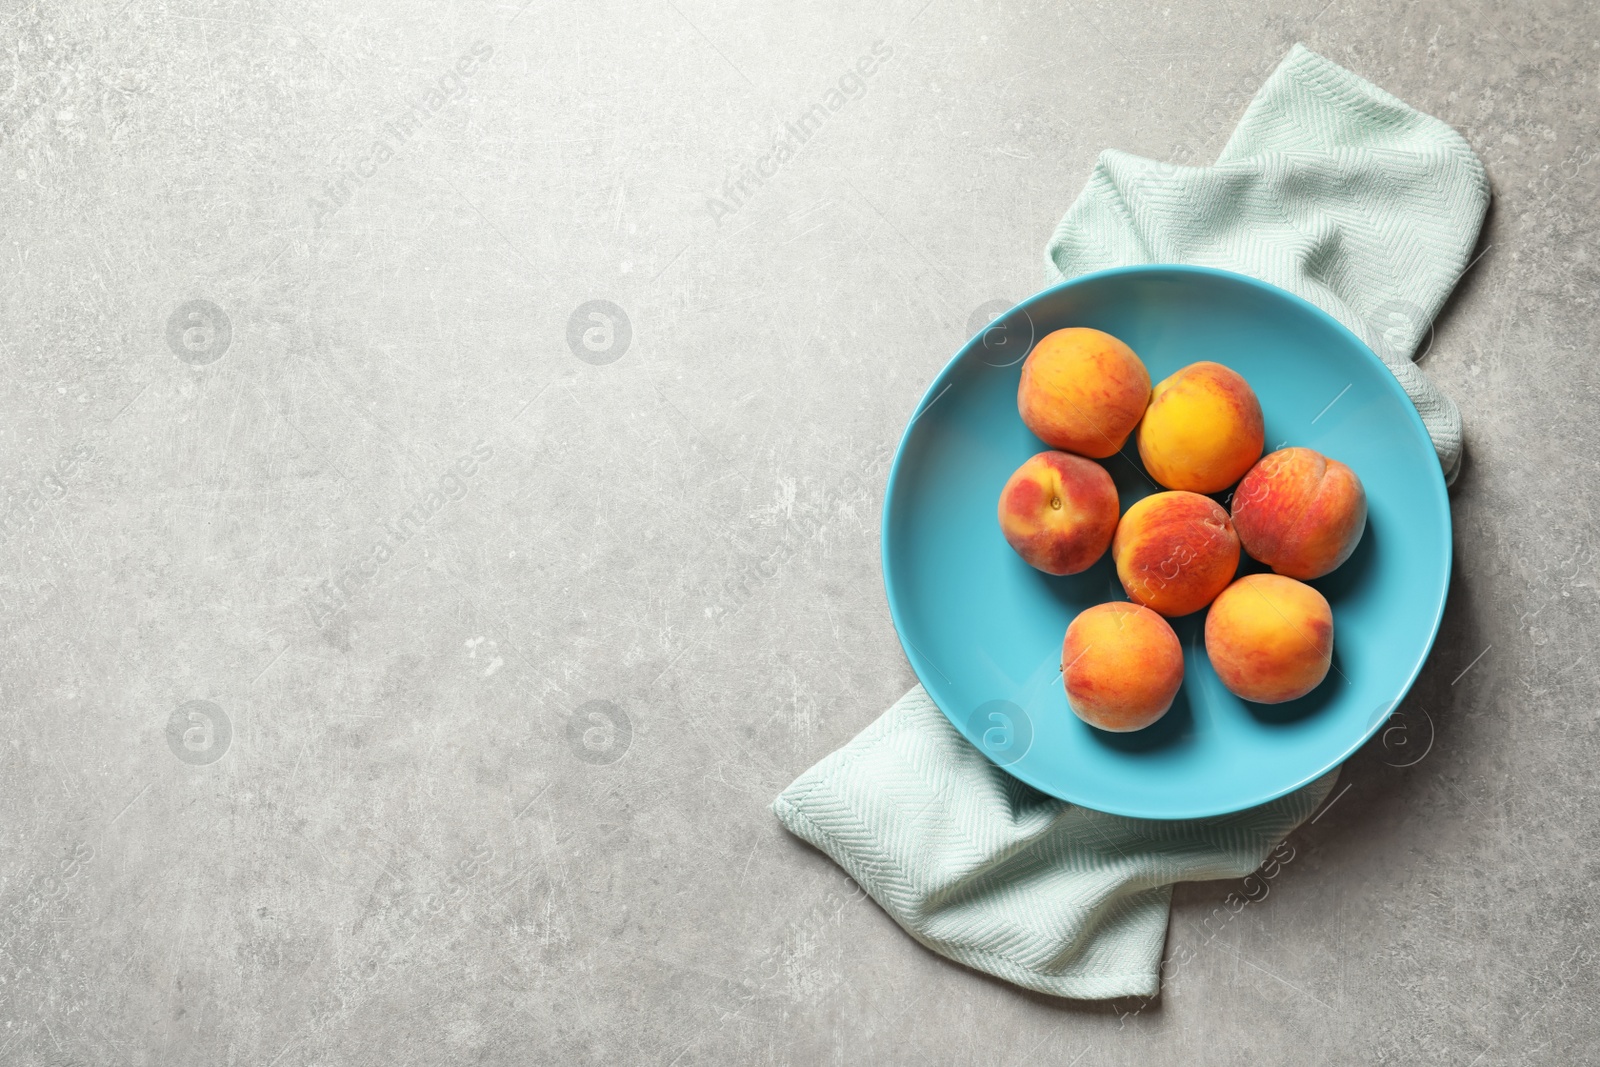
(983,630)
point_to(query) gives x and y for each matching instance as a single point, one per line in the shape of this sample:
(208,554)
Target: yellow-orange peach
(1270,638)
(1300,512)
(1083,391)
(1175,552)
(1059,512)
(1121,665)
(1202,430)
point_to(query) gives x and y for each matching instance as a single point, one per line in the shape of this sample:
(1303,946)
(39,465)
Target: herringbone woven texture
(1329,188)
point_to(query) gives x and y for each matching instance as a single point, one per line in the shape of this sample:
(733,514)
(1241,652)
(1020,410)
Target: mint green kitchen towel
(1334,190)
(1329,188)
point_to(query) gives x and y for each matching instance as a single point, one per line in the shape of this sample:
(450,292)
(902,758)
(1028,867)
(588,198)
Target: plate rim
(1440,493)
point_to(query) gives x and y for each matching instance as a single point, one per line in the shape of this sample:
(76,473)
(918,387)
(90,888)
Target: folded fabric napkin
(1329,188)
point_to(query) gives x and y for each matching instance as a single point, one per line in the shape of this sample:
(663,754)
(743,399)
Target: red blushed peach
(1270,638)
(1122,666)
(1175,552)
(1203,429)
(1083,391)
(1059,511)
(1300,512)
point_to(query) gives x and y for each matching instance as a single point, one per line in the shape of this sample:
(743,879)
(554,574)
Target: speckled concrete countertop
(401,648)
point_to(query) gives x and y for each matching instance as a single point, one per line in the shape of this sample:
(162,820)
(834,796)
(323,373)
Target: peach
(1083,391)
(1175,552)
(1202,430)
(1122,665)
(1059,512)
(1270,638)
(1300,512)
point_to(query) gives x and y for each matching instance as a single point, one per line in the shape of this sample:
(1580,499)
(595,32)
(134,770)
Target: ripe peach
(1300,512)
(1203,429)
(1121,665)
(1270,638)
(1083,391)
(1175,552)
(1059,511)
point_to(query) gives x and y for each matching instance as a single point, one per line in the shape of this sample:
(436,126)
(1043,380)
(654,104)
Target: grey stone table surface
(399,658)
